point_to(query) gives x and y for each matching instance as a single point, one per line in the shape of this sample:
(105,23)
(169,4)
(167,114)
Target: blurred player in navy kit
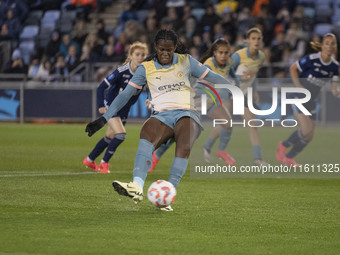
(115,83)
(312,72)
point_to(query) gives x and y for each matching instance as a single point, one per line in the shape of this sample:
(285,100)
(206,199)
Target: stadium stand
(29,32)
(50,18)
(34,18)
(27,50)
(127,20)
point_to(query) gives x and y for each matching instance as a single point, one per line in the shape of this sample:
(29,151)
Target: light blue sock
(163,148)
(209,144)
(257,152)
(225,135)
(177,170)
(143,161)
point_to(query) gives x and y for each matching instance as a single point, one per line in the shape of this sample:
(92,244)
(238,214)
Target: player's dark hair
(168,35)
(213,48)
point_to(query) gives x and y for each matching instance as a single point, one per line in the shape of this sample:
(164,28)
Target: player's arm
(236,62)
(108,82)
(203,72)
(335,86)
(120,101)
(232,75)
(216,78)
(336,89)
(335,83)
(100,96)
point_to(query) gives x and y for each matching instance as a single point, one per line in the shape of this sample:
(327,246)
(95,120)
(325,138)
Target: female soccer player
(167,75)
(315,71)
(216,58)
(247,63)
(116,132)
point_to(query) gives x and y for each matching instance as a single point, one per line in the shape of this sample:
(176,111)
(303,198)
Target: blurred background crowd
(48,40)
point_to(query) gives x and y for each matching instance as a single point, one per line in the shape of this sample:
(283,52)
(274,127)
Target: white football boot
(128,189)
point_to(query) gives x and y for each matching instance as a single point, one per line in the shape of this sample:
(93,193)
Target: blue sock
(257,152)
(143,162)
(111,148)
(293,138)
(177,170)
(209,144)
(163,148)
(225,135)
(99,148)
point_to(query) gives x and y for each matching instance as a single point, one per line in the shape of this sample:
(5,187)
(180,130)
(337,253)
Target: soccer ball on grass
(161,193)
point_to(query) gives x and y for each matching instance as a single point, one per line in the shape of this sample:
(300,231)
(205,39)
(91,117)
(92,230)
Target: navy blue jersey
(316,74)
(112,85)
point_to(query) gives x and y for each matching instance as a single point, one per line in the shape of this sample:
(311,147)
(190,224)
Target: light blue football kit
(171,97)
(242,63)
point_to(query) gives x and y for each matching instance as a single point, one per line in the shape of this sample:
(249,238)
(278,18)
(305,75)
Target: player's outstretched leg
(130,189)
(177,170)
(143,161)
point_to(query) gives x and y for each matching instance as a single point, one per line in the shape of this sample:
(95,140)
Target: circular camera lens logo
(180,74)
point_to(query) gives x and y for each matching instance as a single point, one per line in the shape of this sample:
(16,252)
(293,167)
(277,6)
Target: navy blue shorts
(310,106)
(123,114)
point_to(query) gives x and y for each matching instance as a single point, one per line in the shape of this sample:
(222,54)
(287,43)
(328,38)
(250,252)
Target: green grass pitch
(51,204)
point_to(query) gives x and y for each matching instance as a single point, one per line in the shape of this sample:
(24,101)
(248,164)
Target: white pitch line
(45,174)
(33,174)
(54,174)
